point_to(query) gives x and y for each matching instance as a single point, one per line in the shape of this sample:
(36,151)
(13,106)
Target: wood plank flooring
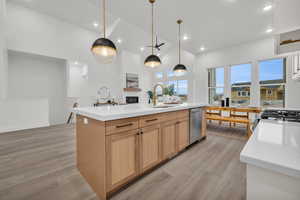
(39,164)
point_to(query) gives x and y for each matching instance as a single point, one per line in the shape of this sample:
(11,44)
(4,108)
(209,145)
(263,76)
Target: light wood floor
(39,164)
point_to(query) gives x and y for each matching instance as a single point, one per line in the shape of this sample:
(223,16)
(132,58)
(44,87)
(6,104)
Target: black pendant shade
(103,48)
(103,42)
(179,69)
(152,61)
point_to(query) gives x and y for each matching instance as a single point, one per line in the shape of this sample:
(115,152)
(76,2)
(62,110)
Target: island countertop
(275,145)
(107,113)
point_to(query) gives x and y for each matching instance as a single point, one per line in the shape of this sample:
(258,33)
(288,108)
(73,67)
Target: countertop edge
(123,116)
(247,158)
(270,166)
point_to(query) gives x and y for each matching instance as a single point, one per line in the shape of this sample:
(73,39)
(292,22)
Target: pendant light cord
(152,28)
(104,19)
(179,53)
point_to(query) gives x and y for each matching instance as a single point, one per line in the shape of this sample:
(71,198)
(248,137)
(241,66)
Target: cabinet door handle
(125,125)
(151,120)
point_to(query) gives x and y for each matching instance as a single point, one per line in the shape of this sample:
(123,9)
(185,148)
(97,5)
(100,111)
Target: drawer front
(169,116)
(150,120)
(121,125)
(183,114)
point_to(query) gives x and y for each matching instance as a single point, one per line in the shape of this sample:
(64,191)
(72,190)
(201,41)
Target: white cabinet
(296,66)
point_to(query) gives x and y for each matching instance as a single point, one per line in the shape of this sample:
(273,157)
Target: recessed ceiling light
(142,48)
(202,48)
(76,62)
(269,30)
(268,7)
(119,41)
(95,24)
(185,37)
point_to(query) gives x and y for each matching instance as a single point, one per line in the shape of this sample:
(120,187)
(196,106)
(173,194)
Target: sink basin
(162,106)
(165,106)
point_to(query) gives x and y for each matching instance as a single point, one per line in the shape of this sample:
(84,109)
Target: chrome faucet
(155,94)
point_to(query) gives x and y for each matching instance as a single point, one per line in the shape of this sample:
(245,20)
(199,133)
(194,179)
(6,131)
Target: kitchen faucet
(155,93)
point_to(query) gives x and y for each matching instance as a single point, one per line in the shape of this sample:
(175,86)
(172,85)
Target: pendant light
(103,48)
(152,60)
(180,69)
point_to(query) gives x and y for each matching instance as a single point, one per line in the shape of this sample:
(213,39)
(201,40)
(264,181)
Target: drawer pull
(151,120)
(125,125)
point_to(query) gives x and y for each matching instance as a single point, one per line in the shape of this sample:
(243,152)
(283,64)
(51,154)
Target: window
(215,85)
(159,75)
(180,88)
(243,94)
(170,74)
(272,77)
(240,84)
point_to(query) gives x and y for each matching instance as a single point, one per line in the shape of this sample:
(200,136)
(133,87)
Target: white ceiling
(211,23)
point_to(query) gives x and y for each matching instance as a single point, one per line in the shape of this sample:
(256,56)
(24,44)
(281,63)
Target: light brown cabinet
(150,147)
(122,156)
(111,153)
(182,134)
(168,131)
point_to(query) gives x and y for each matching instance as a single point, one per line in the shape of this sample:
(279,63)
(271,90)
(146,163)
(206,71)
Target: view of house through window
(272,75)
(180,88)
(240,84)
(216,85)
(159,75)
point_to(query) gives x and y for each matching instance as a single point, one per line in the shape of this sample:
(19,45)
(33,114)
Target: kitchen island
(272,155)
(117,144)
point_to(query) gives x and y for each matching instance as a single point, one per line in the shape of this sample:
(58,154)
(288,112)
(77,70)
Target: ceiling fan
(157,45)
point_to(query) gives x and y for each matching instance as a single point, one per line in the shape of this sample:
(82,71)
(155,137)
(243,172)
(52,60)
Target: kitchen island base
(265,184)
(110,154)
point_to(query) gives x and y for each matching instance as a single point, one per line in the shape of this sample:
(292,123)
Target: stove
(284,115)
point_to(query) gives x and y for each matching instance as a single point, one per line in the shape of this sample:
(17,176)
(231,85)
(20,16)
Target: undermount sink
(165,106)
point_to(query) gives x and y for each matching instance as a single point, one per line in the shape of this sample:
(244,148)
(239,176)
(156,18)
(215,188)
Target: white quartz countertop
(106,113)
(275,145)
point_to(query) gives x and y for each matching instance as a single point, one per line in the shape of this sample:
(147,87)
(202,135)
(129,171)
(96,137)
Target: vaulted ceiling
(213,24)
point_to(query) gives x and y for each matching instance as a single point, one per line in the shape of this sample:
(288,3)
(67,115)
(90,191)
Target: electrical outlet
(85,121)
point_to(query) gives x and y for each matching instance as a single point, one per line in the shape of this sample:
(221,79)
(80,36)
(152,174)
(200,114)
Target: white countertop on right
(274,145)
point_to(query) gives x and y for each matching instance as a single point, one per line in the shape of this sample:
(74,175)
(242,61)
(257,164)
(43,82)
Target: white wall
(170,60)
(3,51)
(286,15)
(36,33)
(39,77)
(133,63)
(19,114)
(245,53)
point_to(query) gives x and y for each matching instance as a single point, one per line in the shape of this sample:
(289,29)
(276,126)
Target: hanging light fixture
(179,69)
(103,48)
(152,60)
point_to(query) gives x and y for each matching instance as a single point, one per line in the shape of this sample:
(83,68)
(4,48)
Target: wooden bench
(233,117)
(231,120)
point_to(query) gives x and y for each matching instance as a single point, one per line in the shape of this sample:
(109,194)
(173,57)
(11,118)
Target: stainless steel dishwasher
(195,124)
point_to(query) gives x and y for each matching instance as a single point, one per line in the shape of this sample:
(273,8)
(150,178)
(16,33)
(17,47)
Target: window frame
(284,83)
(215,87)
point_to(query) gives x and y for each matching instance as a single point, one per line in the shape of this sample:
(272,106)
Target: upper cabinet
(288,42)
(287,26)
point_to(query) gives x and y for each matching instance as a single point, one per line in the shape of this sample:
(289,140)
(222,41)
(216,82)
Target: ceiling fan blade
(162,44)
